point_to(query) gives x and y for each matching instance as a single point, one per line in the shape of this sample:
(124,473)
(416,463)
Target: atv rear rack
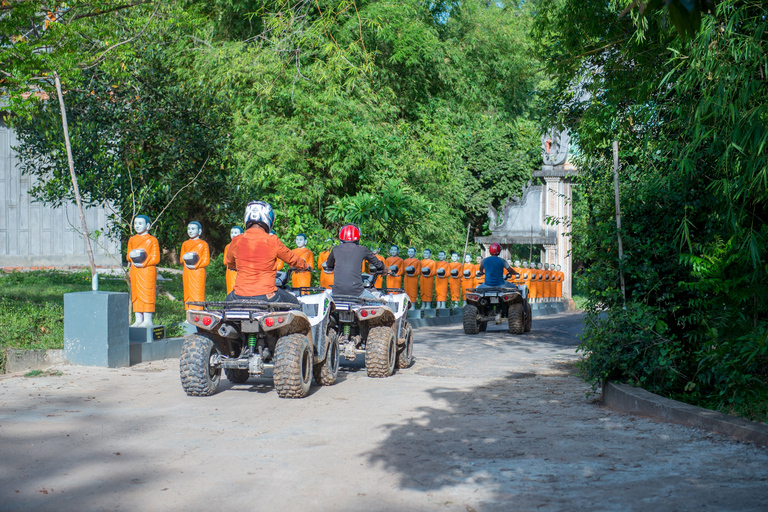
(351,299)
(261,305)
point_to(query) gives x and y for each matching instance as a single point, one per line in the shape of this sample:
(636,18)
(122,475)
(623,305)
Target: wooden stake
(466,244)
(618,218)
(86,235)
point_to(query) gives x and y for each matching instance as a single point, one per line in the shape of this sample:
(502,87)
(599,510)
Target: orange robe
(412,283)
(279,264)
(231,274)
(395,281)
(455,282)
(326,279)
(559,285)
(516,279)
(426,283)
(441,283)
(549,287)
(527,277)
(467,282)
(194,279)
(144,279)
(303,279)
(478,280)
(535,283)
(379,280)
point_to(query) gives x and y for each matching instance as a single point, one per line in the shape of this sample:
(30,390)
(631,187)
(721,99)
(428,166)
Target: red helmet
(349,233)
(494,249)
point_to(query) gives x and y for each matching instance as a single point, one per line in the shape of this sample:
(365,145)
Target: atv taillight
(280,319)
(197,318)
(207,320)
(363,313)
(269,321)
(373,311)
(506,297)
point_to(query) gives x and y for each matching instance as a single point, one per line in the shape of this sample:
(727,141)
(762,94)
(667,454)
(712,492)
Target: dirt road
(482,423)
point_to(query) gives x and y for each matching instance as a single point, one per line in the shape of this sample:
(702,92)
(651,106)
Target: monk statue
(231,274)
(303,279)
(412,271)
(441,281)
(195,256)
(395,266)
(143,255)
(427,281)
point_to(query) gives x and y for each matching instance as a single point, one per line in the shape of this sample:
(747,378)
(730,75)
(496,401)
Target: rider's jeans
(505,285)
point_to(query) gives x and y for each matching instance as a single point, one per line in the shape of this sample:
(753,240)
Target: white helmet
(261,213)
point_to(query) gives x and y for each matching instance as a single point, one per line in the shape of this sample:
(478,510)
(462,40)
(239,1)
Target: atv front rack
(261,305)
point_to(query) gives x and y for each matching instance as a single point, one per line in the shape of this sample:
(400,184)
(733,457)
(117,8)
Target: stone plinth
(96,329)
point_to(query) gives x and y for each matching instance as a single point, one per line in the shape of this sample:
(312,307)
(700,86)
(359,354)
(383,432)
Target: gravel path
(479,423)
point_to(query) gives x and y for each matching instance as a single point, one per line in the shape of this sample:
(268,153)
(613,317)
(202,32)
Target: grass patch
(44,373)
(33,304)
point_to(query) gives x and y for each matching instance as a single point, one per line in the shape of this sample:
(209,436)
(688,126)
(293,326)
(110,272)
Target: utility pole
(618,218)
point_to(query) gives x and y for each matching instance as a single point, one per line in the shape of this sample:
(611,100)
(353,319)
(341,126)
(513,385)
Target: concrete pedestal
(429,313)
(146,334)
(414,313)
(189,328)
(96,329)
(443,312)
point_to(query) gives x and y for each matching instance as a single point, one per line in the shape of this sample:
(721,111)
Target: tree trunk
(86,235)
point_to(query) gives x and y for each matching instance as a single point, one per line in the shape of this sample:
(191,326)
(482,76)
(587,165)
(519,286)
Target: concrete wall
(35,235)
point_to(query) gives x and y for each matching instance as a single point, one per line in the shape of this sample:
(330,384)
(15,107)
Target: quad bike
(376,327)
(243,337)
(497,304)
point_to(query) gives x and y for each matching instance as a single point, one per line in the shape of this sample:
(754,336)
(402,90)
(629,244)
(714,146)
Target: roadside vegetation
(690,115)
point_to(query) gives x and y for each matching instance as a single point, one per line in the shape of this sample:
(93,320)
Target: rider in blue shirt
(494,268)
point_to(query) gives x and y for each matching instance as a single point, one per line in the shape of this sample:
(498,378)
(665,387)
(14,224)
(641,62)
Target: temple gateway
(541,217)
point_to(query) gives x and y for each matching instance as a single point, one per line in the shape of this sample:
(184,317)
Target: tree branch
(92,14)
(101,57)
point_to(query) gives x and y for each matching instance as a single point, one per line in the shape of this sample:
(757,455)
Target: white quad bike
(375,327)
(243,337)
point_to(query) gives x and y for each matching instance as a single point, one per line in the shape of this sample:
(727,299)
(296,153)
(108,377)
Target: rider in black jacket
(346,262)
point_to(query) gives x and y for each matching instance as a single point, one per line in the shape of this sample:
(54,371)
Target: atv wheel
(469,319)
(380,352)
(237,375)
(293,366)
(327,371)
(515,318)
(405,354)
(528,317)
(197,376)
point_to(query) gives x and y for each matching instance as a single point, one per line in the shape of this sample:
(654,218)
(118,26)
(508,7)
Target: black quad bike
(244,337)
(376,327)
(497,305)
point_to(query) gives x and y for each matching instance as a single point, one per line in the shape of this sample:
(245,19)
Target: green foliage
(304,104)
(691,118)
(629,345)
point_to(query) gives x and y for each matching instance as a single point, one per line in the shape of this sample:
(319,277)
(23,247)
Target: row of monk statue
(424,278)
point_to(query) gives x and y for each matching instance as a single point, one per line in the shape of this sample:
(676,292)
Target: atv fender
(319,339)
(300,324)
